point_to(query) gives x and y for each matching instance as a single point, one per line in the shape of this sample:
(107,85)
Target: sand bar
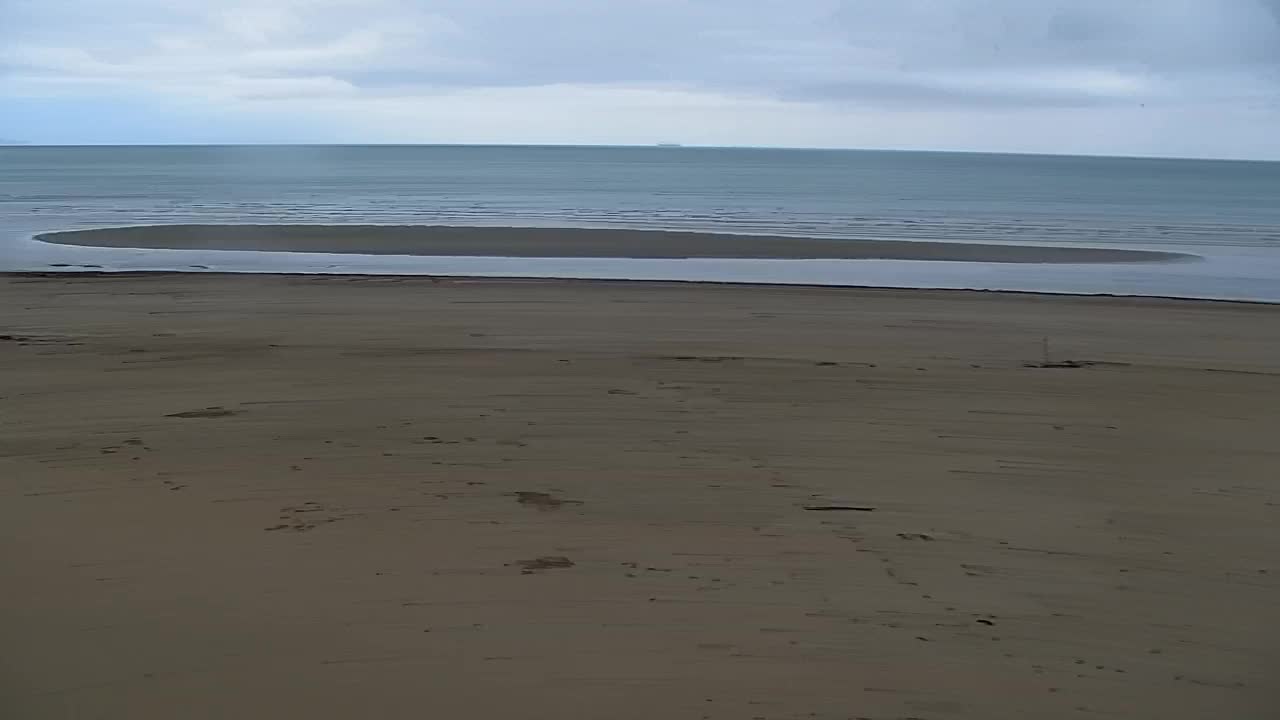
(571,243)
(335,497)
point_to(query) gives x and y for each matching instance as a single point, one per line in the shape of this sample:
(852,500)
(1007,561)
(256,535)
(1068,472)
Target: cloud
(983,87)
(866,63)
(190,43)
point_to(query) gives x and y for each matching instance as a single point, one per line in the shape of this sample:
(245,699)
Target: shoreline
(93,272)
(531,242)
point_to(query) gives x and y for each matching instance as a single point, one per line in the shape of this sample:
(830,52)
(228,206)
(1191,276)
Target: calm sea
(1229,212)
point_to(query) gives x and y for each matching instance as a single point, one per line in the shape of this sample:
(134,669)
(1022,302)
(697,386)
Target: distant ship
(670,145)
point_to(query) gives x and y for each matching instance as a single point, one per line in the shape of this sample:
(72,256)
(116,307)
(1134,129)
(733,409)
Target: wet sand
(571,243)
(331,497)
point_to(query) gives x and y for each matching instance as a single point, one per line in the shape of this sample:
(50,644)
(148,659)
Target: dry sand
(330,497)
(571,243)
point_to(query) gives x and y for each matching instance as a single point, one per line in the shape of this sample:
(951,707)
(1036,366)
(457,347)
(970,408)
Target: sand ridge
(574,243)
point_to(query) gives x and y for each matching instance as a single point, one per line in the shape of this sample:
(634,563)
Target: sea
(1227,213)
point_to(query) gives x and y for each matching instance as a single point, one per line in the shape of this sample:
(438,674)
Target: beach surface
(332,497)
(573,243)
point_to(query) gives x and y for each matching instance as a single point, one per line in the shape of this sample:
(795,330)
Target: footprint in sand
(547,562)
(543,501)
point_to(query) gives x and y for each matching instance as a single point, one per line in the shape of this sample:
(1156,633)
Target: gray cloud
(901,94)
(1001,53)
(1193,58)
(931,52)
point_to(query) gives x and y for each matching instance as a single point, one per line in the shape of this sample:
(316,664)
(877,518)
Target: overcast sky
(1133,77)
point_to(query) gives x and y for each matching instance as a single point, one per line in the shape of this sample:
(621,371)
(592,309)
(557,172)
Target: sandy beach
(334,497)
(574,243)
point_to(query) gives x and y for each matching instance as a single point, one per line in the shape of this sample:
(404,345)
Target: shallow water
(1226,212)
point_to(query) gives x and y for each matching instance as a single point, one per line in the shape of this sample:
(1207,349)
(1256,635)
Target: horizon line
(675,147)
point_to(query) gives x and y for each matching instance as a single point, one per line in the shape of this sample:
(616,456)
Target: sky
(1183,78)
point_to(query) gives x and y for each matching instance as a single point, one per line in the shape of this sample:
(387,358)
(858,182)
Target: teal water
(1218,209)
(900,195)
